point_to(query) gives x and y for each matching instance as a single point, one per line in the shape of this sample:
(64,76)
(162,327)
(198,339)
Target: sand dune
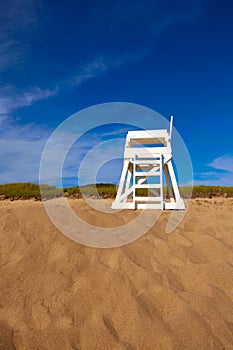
(160,292)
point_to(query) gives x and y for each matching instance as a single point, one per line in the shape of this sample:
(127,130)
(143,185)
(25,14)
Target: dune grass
(108,190)
(29,190)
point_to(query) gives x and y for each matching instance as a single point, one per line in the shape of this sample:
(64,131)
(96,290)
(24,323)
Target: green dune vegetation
(27,190)
(103,190)
(15,191)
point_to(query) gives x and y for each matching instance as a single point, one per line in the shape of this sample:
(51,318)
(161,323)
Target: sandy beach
(163,291)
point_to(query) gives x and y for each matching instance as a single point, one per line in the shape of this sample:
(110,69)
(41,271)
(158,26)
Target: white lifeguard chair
(147,155)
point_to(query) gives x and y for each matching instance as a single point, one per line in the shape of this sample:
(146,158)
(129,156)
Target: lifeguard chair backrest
(149,137)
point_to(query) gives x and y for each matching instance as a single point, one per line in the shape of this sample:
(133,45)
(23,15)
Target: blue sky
(57,58)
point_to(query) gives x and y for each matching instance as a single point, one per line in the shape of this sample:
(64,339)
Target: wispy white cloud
(91,70)
(12,99)
(100,65)
(221,173)
(224,162)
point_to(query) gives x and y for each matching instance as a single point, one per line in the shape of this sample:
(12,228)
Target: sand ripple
(170,292)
